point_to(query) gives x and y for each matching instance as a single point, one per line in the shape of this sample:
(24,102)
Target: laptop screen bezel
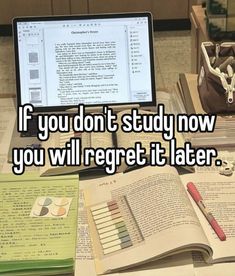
(83,17)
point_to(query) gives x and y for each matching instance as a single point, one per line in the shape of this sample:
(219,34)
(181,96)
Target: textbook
(148,214)
(100,140)
(38,224)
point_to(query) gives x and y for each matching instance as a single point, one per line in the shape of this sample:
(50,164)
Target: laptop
(96,60)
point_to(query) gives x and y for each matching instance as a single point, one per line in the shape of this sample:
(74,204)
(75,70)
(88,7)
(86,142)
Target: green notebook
(38,223)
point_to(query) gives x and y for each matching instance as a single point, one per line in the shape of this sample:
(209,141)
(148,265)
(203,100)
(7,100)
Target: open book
(38,224)
(103,140)
(148,214)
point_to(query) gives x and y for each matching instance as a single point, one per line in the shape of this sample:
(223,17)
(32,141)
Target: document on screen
(88,65)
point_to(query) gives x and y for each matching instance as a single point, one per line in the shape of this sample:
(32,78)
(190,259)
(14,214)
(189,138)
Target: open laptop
(62,61)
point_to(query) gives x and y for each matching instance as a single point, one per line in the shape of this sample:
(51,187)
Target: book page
(218,193)
(180,264)
(224,155)
(85,50)
(27,237)
(129,139)
(203,269)
(85,264)
(155,211)
(84,257)
(88,140)
(101,139)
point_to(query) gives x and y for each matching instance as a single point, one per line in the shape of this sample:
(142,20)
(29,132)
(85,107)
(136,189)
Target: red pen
(198,199)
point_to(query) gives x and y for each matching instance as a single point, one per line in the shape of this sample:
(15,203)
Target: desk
(177,266)
(174,267)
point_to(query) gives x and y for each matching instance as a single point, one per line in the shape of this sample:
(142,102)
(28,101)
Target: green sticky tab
(119,224)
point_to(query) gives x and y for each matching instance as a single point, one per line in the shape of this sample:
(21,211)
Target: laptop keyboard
(32,128)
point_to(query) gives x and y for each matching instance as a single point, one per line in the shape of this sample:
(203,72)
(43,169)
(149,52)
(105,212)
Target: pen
(198,199)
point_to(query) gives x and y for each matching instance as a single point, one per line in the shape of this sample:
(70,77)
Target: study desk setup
(150,221)
(175,265)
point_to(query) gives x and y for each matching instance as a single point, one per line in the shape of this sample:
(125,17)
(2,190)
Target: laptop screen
(95,60)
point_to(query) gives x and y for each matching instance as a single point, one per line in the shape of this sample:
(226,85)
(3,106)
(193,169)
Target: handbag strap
(229,88)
